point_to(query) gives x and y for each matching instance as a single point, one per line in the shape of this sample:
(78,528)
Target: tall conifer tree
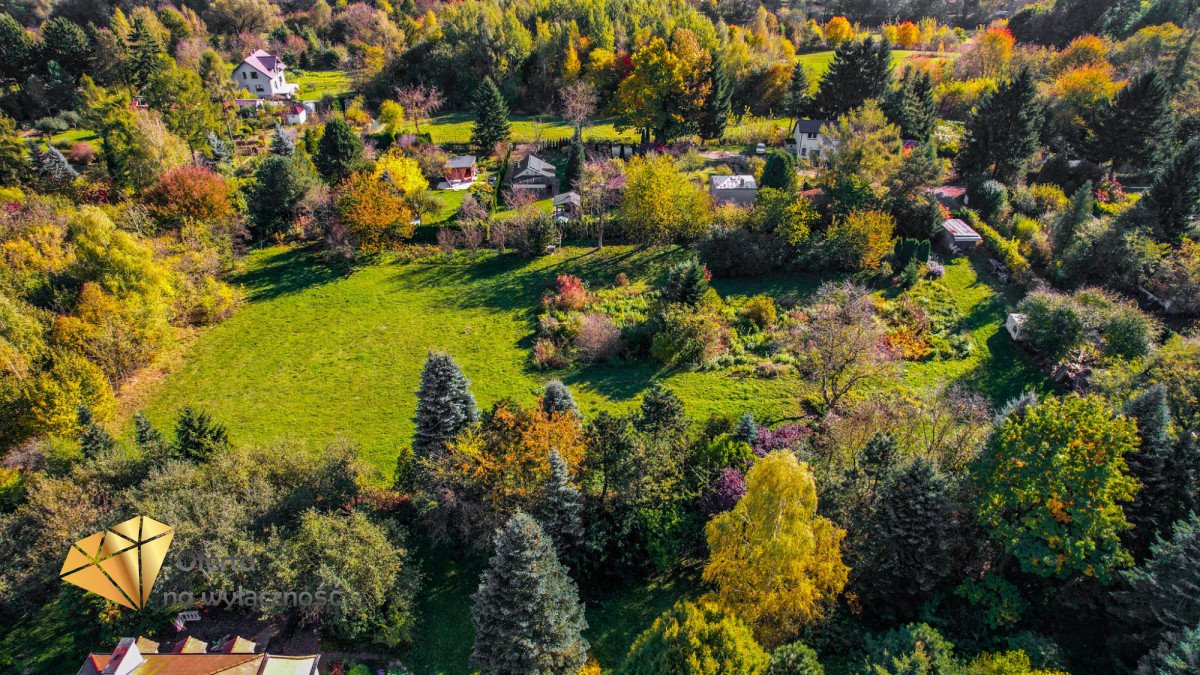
(714,116)
(445,405)
(527,614)
(491,117)
(1003,133)
(860,70)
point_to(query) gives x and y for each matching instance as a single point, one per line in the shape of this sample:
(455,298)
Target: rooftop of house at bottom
(236,656)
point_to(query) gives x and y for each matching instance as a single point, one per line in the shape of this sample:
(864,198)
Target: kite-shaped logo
(120,563)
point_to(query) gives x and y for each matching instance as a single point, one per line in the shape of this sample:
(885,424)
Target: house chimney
(125,658)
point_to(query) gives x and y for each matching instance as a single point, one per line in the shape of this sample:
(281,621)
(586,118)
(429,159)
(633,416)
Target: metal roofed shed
(958,233)
(736,188)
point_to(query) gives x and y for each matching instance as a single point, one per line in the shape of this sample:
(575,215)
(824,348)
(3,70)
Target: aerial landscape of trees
(597,336)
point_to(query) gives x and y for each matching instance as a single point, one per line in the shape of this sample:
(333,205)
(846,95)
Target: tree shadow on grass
(286,271)
(510,282)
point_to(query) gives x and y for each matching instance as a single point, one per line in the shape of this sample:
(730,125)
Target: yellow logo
(120,563)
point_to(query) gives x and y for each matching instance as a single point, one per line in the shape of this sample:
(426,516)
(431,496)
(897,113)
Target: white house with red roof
(261,74)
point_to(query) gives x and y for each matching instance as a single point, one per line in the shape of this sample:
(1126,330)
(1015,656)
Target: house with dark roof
(261,74)
(238,656)
(808,141)
(537,175)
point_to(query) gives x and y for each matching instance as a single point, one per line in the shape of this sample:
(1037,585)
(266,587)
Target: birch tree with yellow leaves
(774,561)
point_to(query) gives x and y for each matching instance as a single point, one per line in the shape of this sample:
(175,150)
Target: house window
(258,87)
(254,75)
(804,152)
(812,137)
(243,74)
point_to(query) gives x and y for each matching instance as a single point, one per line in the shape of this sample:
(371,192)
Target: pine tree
(197,436)
(687,283)
(1079,213)
(1158,597)
(1174,196)
(798,102)
(445,405)
(1164,468)
(339,151)
(860,70)
(911,106)
(714,116)
(558,398)
(218,149)
(527,614)
(1177,654)
(53,171)
(149,440)
(576,157)
(662,414)
(561,509)
(16,49)
(747,429)
(275,195)
(906,553)
(1003,133)
(13,167)
(1130,131)
(281,143)
(143,53)
(878,457)
(491,117)
(93,439)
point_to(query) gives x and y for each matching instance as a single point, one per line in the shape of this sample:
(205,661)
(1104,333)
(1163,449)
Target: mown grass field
(318,355)
(316,84)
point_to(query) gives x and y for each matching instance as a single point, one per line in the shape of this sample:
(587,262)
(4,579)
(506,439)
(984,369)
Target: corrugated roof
(461,162)
(960,229)
(734,182)
(534,166)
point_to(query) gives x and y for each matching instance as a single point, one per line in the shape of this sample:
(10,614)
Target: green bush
(1005,250)
(760,310)
(1054,323)
(689,338)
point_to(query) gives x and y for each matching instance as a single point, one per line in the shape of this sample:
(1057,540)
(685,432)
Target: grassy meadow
(318,355)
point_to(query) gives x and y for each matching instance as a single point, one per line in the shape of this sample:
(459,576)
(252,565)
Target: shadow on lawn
(287,271)
(1006,371)
(510,282)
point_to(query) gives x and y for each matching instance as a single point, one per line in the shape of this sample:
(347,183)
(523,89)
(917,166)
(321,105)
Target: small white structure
(261,74)
(1015,324)
(959,233)
(738,188)
(297,113)
(809,141)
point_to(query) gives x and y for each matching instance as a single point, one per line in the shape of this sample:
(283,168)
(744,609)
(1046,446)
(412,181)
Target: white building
(738,188)
(808,141)
(261,74)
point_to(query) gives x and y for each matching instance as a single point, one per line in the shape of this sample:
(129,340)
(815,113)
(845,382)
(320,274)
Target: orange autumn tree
(369,207)
(492,471)
(995,50)
(838,30)
(907,35)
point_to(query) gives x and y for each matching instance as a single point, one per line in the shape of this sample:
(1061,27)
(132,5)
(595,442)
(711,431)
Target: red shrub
(190,193)
(81,154)
(570,294)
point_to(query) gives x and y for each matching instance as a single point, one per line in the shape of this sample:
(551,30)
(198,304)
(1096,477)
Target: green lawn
(456,128)
(70,137)
(818,62)
(318,355)
(316,84)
